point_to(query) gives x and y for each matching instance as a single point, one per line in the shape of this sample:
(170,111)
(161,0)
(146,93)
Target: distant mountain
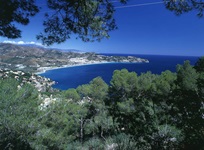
(44,47)
(67,50)
(13,50)
(32,45)
(37,58)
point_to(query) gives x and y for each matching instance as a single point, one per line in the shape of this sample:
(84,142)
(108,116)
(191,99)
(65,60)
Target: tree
(96,121)
(60,124)
(140,105)
(183,6)
(131,105)
(89,20)
(99,89)
(19,110)
(120,99)
(199,66)
(15,11)
(71,94)
(188,106)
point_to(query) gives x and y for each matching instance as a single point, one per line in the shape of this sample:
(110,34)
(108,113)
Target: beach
(42,70)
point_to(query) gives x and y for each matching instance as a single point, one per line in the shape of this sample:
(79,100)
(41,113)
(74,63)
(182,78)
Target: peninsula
(39,59)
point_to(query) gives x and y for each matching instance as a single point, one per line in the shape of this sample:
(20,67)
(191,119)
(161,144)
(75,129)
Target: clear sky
(146,29)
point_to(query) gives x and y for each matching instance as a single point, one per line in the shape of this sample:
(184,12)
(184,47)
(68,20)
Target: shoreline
(45,69)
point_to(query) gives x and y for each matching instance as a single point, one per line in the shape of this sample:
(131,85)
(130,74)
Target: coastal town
(38,59)
(42,84)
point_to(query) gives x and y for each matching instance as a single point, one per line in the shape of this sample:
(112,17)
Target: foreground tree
(132,107)
(97,122)
(89,20)
(135,112)
(19,110)
(12,12)
(187,100)
(59,125)
(199,66)
(183,6)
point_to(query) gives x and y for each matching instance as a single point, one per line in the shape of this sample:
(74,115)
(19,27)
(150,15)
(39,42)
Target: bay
(72,77)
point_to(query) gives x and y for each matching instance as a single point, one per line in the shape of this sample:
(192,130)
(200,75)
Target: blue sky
(148,29)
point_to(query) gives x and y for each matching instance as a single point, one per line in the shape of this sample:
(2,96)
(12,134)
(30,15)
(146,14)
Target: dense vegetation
(134,112)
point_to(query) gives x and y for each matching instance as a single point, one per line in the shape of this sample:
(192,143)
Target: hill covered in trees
(149,111)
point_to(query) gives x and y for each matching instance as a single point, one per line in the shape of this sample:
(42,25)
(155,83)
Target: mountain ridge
(35,59)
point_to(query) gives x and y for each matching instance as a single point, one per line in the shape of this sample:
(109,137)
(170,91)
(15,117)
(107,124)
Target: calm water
(75,76)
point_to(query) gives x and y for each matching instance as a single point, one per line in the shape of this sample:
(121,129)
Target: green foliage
(99,89)
(18,112)
(145,81)
(123,141)
(84,90)
(17,11)
(135,112)
(165,83)
(97,122)
(128,103)
(167,137)
(199,66)
(60,124)
(187,77)
(95,144)
(89,19)
(183,6)
(123,80)
(188,104)
(71,94)
(74,146)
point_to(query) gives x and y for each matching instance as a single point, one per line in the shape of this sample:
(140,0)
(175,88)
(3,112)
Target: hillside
(42,84)
(35,59)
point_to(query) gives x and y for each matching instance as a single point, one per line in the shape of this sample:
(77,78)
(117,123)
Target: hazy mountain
(14,50)
(35,58)
(67,50)
(47,48)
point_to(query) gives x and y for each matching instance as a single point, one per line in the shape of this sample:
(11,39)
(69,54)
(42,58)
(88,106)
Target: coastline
(42,70)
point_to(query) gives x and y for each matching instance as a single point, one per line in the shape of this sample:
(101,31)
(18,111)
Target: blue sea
(72,77)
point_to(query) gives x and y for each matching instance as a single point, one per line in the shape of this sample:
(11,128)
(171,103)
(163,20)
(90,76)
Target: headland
(38,60)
